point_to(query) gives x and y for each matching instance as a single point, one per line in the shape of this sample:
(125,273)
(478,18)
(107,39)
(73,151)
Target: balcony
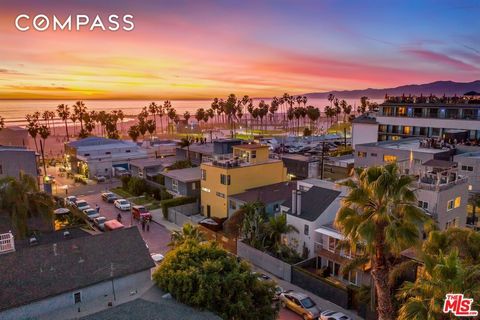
(324,249)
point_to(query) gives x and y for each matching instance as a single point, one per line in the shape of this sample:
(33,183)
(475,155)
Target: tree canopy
(204,275)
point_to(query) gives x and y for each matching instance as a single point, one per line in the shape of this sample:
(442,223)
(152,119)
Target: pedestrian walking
(97,208)
(148,225)
(143,224)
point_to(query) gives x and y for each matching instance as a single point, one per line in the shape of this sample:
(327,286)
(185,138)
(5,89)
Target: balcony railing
(318,246)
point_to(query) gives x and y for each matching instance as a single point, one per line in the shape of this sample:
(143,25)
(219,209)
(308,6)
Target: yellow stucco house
(249,167)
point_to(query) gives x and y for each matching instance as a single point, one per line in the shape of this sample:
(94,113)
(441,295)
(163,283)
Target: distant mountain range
(438,88)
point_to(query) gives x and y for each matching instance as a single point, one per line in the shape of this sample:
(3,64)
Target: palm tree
(380,212)
(63,112)
(79,109)
(199,115)
(336,107)
(150,125)
(22,199)
(33,126)
(134,132)
(161,113)
(189,232)
(152,108)
(2,123)
(186,116)
(442,274)
(74,119)
(278,226)
(186,142)
(44,133)
(313,114)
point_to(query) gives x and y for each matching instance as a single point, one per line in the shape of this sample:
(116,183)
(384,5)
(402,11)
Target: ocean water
(14,111)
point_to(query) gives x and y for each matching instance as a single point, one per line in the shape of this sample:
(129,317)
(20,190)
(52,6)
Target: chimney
(299,202)
(294,202)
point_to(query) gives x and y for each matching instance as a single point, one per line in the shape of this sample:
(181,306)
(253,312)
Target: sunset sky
(201,49)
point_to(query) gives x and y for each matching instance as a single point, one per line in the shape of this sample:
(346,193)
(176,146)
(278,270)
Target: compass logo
(42,22)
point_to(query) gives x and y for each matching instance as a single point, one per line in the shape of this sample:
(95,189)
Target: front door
(208,211)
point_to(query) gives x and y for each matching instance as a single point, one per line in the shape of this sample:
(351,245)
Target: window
(221,195)
(467,168)
(204,174)
(175,185)
(77,297)
(458,202)
(407,130)
(194,185)
(361,154)
(254,154)
(332,244)
(449,205)
(128,151)
(306,229)
(452,223)
(225,179)
(233,205)
(423,204)
(389,158)
(373,154)
(86,155)
(108,152)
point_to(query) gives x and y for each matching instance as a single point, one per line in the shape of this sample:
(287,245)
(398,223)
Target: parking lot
(157,238)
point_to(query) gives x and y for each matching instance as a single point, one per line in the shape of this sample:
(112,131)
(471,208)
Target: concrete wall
(101,293)
(182,214)
(364,133)
(12,162)
(265,261)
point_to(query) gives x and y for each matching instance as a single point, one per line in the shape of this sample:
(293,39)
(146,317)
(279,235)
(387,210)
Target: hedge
(165,204)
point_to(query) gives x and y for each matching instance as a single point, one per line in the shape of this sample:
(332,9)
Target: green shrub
(203,275)
(137,186)
(168,203)
(125,180)
(160,179)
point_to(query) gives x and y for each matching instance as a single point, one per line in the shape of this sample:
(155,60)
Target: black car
(109,197)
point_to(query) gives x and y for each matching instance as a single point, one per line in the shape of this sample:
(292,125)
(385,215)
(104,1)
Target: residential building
(70,276)
(456,118)
(441,189)
(248,167)
(15,136)
(204,152)
(183,182)
(151,167)
(312,204)
(15,161)
(157,148)
(300,166)
(469,165)
(332,258)
(97,156)
(273,196)
(364,130)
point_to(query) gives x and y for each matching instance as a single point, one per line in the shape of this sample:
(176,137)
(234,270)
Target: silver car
(301,304)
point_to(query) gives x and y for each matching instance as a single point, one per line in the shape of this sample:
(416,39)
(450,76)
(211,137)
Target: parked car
(141,212)
(301,304)
(99,222)
(157,257)
(333,315)
(109,197)
(111,225)
(91,214)
(82,205)
(122,204)
(70,200)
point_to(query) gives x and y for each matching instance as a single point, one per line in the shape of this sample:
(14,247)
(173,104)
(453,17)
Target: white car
(82,205)
(99,222)
(70,200)
(333,315)
(91,214)
(122,204)
(157,257)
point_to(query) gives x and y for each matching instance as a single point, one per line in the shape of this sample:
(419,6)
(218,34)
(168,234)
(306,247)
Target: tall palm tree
(79,109)
(313,114)
(442,274)
(380,211)
(199,115)
(186,142)
(63,112)
(152,108)
(44,133)
(22,199)
(33,126)
(134,132)
(189,232)
(186,116)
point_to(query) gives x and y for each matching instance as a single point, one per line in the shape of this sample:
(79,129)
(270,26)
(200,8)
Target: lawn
(122,193)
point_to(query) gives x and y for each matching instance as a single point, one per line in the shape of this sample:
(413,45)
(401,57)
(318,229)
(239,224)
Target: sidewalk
(157,217)
(321,303)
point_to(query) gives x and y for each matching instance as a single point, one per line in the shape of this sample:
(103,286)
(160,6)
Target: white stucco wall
(364,133)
